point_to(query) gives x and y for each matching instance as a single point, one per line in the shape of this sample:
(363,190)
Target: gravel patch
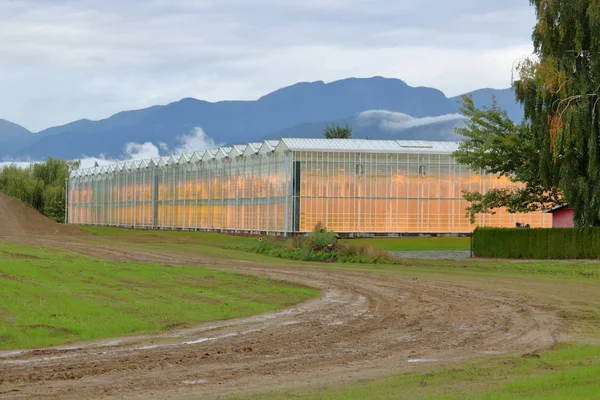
(434,255)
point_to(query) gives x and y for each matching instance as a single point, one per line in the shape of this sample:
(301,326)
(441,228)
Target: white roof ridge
(392,146)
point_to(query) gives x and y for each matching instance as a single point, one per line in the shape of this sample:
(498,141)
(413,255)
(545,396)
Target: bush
(553,243)
(305,252)
(322,245)
(321,239)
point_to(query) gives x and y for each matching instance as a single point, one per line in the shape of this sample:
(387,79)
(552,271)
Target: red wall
(563,218)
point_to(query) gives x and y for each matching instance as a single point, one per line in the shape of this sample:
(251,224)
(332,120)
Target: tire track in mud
(364,325)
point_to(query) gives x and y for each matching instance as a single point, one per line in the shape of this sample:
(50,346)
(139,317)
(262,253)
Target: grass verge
(568,372)
(51,297)
(250,241)
(414,244)
(173,237)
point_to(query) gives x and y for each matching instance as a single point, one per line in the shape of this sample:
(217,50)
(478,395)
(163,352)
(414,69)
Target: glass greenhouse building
(353,186)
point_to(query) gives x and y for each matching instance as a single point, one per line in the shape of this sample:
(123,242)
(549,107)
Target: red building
(562,217)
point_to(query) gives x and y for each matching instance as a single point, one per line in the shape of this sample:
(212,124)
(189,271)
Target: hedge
(554,243)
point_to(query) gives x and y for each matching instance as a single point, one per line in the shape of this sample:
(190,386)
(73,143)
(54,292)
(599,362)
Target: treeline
(41,185)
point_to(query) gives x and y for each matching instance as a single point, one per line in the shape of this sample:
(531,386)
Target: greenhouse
(352,186)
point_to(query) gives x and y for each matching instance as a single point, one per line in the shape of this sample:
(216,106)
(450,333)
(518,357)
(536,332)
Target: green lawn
(415,244)
(174,237)
(249,241)
(569,372)
(50,297)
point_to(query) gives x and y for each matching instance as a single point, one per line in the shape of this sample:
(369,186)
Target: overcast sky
(62,60)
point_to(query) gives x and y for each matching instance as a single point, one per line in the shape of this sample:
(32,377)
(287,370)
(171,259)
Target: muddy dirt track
(363,326)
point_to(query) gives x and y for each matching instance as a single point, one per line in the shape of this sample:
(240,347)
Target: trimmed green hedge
(554,243)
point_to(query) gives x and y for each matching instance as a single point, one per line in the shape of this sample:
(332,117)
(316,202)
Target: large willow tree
(560,92)
(554,152)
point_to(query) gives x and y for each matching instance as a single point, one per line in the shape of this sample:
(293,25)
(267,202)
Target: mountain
(13,138)
(300,110)
(384,125)
(505,99)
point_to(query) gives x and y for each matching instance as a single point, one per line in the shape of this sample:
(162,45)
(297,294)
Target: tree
(40,185)
(559,88)
(497,145)
(560,91)
(334,131)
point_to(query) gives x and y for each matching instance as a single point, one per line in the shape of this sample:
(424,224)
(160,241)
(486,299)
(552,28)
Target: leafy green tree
(555,152)
(495,144)
(54,203)
(334,131)
(41,185)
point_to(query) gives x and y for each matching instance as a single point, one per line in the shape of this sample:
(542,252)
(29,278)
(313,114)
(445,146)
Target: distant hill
(300,110)
(385,125)
(505,99)
(13,138)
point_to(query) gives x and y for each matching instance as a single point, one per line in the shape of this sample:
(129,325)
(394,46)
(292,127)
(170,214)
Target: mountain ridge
(241,121)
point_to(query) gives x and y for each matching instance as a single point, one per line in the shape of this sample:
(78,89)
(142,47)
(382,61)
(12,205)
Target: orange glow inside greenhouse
(352,186)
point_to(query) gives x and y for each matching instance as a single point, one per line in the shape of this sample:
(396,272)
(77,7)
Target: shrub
(322,245)
(552,243)
(321,239)
(305,252)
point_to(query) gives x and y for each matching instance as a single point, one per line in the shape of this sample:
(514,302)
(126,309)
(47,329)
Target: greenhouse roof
(283,145)
(366,145)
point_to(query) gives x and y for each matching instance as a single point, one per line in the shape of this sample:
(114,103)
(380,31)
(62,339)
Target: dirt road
(364,325)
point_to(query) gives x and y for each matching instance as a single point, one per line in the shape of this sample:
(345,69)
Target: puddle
(212,339)
(113,343)
(71,348)
(42,359)
(423,360)
(153,346)
(11,353)
(289,323)
(196,382)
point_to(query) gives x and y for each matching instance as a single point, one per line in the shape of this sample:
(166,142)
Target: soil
(365,325)
(16,219)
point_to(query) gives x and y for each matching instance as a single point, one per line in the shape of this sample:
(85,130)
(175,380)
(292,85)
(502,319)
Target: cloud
(396,122)
(71,59)
(141,151)
(196,140)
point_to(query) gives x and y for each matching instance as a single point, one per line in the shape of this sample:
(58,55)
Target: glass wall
(290,191)
(240,194)
(378,193)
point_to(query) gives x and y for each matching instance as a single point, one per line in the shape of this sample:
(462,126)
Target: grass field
(50,297)
(569,372)
(249,241)
(173,237)
(153,291)
(224,246)
(415,244)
